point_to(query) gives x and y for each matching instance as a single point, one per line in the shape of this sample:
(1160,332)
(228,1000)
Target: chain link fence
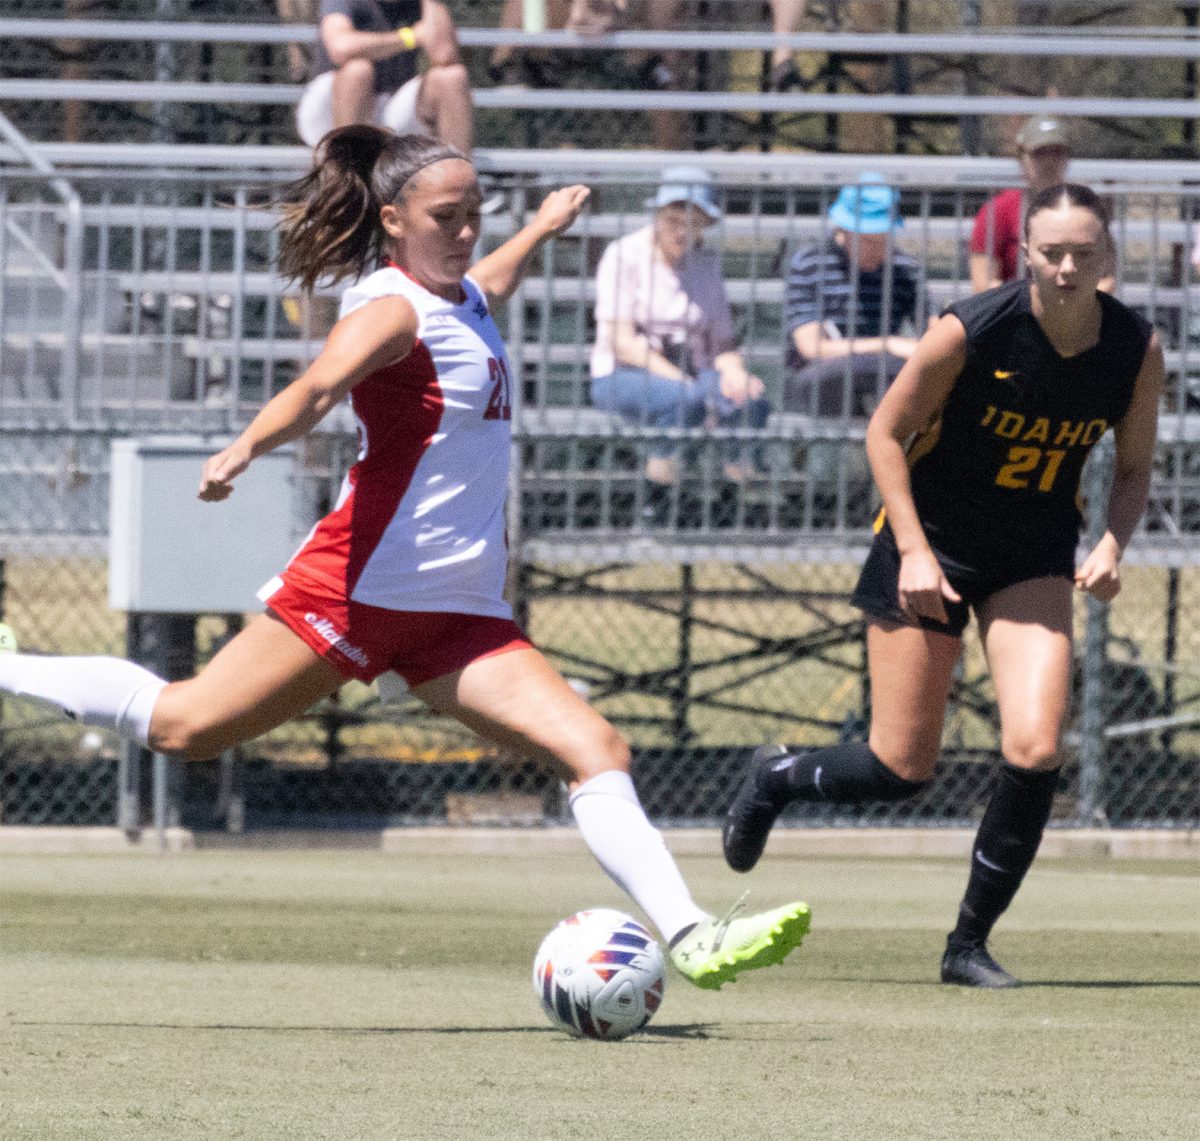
(724,627)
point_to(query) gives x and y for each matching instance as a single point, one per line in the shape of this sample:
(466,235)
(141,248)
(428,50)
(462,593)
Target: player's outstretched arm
(1099,574)
(362,342)
(499,273)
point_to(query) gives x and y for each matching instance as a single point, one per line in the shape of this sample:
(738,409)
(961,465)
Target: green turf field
(361,995)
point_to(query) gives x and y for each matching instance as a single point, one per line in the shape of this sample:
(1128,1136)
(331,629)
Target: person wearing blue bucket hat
(867,208)
(666,353)
(854,306)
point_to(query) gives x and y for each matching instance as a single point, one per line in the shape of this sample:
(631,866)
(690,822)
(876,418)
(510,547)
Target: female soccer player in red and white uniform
(406,573)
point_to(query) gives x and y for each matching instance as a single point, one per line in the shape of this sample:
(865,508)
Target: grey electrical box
(170,552)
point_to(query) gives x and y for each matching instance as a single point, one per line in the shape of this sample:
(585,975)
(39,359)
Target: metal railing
(70,278)
(1163,44)
(729,102)
(966,44)
(722,628)
(187,324)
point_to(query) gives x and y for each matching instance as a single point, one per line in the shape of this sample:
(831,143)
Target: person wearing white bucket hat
(666,352)
(366,72)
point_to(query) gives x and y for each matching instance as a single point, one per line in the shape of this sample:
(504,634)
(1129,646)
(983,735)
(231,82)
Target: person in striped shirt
(855,306)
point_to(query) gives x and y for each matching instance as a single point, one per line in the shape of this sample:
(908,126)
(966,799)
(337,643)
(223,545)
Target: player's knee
(181,734)
(912,760)
(1031,750)
(602,751)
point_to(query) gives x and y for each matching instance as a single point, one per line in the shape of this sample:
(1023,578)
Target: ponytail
(331,228)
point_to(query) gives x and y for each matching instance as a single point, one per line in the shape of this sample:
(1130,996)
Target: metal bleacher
(180,314)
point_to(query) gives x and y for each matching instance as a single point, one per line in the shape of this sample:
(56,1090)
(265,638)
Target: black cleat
(752,813)
(971,965)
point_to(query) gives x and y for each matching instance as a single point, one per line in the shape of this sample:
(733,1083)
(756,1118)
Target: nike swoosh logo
(988,863)
(1000,374)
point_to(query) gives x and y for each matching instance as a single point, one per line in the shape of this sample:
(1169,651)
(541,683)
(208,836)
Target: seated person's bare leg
(444,103)
(354,93)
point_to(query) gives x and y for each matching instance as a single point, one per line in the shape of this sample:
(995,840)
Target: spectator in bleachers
(665,353)
(510,66)
(855,306)
(786,16)
(366,72)
(298,55)
(1044,152)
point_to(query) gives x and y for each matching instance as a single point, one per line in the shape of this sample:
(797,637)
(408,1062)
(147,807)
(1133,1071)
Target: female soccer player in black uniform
(977,449)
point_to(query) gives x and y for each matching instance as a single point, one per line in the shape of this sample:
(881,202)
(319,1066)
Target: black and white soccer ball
(599,974)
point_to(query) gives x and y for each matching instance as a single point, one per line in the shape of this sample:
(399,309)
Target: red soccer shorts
(364,641)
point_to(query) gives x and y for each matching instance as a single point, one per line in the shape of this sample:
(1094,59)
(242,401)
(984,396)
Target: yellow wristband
(407,37)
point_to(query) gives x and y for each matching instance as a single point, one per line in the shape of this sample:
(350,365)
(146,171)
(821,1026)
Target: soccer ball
(599,974)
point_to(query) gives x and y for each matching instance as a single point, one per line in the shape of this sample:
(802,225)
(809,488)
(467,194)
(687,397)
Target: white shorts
(314,112)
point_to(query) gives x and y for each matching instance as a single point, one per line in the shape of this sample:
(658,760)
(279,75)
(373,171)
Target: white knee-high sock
(107,692)
(631,850)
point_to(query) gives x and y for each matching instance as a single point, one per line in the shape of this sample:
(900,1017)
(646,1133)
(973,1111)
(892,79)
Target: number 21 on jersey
(1026,463)
(499,405)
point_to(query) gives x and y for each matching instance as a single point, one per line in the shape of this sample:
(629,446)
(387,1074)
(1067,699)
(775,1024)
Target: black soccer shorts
(877,592)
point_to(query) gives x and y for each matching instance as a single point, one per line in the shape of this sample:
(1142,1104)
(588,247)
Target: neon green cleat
(8,640)
(716,951)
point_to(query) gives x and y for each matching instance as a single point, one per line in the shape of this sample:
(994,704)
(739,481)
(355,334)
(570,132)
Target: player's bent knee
(599,753)
(186,738)
(1033,752)
(914,762)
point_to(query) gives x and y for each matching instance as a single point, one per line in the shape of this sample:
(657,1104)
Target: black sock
(1005,845)
(848,773)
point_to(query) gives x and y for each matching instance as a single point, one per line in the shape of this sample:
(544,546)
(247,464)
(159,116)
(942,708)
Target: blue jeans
(642,398)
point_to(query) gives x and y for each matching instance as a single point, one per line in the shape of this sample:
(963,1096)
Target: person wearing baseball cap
(1044,151)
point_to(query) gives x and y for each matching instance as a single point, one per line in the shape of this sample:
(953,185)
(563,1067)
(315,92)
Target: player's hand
(216,479)
(1100,574)
(560,209)
(923,588)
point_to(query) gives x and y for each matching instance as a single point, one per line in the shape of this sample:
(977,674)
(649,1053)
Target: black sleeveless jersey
(996,473)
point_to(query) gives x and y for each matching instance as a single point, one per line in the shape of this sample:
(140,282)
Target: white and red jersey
(419,523)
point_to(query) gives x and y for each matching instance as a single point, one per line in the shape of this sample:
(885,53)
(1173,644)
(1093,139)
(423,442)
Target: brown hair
(1068,194)
(331,228)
